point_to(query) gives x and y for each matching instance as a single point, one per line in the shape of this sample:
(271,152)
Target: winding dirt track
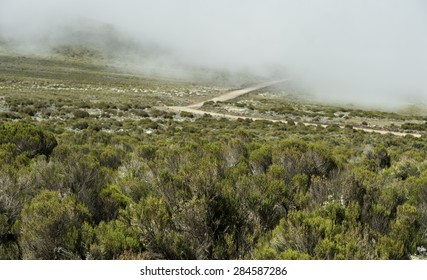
(195,109)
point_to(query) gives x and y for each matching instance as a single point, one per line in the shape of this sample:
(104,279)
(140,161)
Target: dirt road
(195,109)
(236,93)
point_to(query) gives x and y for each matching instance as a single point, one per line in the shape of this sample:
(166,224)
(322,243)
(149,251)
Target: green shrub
(27,139)
(50,227)
(80,114)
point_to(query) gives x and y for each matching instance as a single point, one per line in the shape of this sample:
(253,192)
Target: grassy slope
(52,88)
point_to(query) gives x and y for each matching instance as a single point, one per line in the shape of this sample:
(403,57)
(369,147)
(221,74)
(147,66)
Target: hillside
(96,165)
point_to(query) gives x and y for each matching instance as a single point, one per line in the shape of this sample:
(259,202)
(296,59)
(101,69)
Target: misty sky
(362,51)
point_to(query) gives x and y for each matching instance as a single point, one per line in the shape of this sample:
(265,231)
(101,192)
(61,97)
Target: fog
(366,52)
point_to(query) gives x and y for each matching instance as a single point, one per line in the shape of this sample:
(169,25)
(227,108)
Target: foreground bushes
(269,192)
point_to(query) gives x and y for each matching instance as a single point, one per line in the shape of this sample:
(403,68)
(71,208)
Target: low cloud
(368,52)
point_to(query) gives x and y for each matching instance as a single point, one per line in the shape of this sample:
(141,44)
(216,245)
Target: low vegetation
(92,168)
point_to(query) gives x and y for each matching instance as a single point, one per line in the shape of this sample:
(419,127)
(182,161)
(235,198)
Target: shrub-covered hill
(91,167)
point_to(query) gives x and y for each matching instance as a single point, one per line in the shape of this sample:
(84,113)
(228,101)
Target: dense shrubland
(209,189)
(91,167)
